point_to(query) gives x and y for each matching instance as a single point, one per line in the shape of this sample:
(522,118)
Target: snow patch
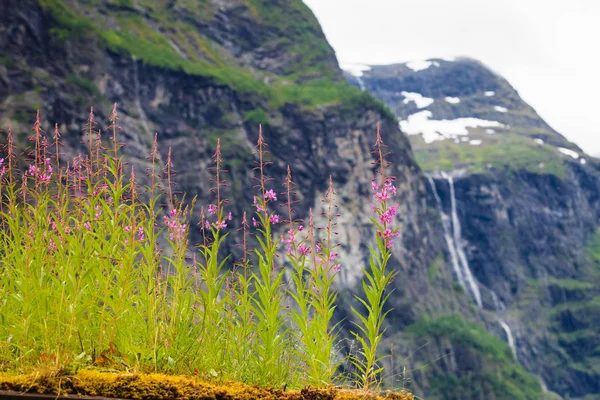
(570,153)
(500,109)
(355,69)
(490,131)
(490,93)
(475,142)
(452,100)
(418,98)
(419,65)
(538,141)
(464,139)
(583,161)
(433,129)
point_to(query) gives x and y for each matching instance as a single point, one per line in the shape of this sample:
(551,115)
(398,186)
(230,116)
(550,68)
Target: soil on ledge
(157,386)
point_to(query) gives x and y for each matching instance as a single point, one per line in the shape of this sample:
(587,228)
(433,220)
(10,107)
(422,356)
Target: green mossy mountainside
(527,203)
(488,368)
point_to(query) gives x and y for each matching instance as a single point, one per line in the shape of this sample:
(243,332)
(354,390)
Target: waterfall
(498,305)
(460,247)
(361,84)
(452,234)
(509,337)
(449,242)
(500,308)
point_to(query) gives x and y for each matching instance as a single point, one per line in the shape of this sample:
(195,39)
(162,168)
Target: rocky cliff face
(194,73)
(526,202)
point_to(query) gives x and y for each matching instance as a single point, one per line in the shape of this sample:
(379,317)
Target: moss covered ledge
(158,386)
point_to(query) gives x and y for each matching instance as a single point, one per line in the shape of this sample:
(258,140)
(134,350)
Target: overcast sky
(549,50)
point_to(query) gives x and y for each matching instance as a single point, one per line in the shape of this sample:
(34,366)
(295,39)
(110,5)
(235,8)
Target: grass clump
(98,272)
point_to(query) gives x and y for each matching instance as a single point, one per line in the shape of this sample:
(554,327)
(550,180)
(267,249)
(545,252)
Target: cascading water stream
(447,234)
(498,305)
(459,247)
(361,84)
(460,264)
(509,337)
(500,308)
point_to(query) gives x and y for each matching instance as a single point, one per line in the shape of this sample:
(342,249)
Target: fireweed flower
(386,214)
(259,207)
(220,225)
(176,230)
(212,209)
(303,249)
(270,195)
(289,240)
(388,236)
(274,219)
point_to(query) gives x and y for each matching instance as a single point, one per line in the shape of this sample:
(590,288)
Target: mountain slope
(526,204)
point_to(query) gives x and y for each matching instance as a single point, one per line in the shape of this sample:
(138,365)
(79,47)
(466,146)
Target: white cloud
(548,54)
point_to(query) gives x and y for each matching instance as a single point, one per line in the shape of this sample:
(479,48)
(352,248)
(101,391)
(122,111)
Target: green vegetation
(87,284)
(257,117)
(298,33)
(182,48)
(434,267)
(84,84)
(500,376)
(506,150)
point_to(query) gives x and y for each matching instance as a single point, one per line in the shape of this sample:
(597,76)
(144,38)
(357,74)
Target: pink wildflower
(303,250)
(220,225)
(388,236)
(389,214)
(336,268)
(212,209)
(270,195)
(274,219)
(140,233)
(259,208)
